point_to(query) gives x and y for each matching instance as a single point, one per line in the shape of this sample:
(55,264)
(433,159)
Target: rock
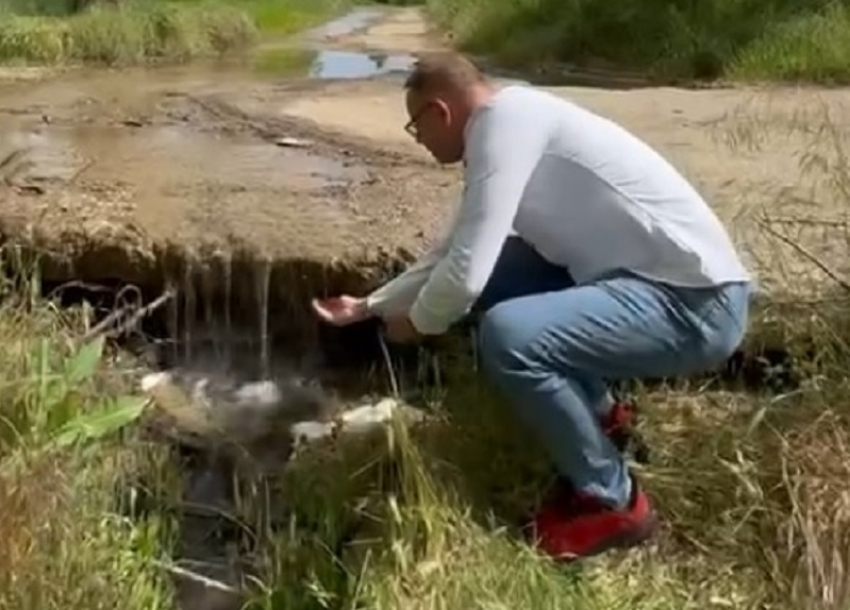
(357,421)
(288,142)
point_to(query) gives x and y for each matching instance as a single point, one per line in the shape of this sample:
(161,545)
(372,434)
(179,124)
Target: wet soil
(136,160)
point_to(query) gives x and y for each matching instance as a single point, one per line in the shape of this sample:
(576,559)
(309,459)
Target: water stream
(262,279)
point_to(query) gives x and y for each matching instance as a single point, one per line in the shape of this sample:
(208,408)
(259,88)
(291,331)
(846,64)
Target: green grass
(666,40)
(65,541)
(393,2)
(290,16)
(132,34)
(148,30)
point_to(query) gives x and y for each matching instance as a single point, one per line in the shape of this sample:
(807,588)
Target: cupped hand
(342,310)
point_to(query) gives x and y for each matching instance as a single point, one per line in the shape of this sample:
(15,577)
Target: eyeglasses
(411,126)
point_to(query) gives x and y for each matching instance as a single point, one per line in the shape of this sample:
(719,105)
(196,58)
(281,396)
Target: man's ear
(444,111)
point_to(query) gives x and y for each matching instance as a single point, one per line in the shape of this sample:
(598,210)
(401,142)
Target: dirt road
(298,167)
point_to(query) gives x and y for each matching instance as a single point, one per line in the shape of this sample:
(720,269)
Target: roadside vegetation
(752,483)
(64,462)
(142,31)
(680,40)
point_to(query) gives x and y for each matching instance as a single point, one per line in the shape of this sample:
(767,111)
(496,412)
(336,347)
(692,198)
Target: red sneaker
(571,525)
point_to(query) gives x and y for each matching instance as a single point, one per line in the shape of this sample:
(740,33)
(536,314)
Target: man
(592,260)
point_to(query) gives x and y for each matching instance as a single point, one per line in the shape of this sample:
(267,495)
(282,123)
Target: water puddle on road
(174,155)
(330,64)
(349,64)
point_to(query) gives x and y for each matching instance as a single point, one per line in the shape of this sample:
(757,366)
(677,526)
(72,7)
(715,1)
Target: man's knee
(728,332)
(504,335)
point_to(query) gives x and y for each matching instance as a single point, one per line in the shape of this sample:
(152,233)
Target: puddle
(349,64)
(176,155)
(329,63)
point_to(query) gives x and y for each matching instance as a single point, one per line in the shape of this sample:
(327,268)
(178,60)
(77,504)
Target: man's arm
(397,296)
(503,150)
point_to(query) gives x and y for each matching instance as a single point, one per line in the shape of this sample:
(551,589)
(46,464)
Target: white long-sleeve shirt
(580,189)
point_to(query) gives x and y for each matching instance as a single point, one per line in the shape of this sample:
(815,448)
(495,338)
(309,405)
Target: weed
(65,543)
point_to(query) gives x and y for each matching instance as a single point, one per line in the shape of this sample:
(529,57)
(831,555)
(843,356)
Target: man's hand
(399,329)
(342,310)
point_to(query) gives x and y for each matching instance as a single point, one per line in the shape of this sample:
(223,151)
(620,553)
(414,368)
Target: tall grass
(147,30)
(131,34)
(66,543)
(680,39)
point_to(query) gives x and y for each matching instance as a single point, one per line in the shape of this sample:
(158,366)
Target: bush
(678,39)
(127,35)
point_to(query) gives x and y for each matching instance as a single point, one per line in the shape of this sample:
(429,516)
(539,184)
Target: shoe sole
(626,540)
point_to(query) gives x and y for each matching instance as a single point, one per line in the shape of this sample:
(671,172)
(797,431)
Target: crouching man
(591,259)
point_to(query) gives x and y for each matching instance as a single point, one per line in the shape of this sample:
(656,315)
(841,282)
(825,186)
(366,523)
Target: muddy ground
(301,166)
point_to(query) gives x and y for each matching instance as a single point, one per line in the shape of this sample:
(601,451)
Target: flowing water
(262,279)
(189,311)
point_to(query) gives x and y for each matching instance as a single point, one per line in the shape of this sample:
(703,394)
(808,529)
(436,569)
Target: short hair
(442,70)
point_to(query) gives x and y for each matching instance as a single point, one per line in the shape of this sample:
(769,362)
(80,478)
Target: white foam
(258,393)
(362,419)
(311,430)
(152,380)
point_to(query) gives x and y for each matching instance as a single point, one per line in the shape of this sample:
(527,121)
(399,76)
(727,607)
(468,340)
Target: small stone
(288,142)
(307,431)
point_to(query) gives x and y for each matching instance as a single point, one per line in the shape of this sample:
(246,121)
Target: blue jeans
(551,345)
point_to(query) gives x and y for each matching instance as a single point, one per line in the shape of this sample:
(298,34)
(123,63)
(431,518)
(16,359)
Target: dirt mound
(125,165)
